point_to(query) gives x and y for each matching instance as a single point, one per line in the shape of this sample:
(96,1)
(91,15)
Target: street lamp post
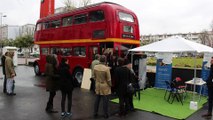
(1,25)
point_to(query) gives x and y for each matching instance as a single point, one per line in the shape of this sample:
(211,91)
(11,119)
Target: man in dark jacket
(122,77)
(210,91)
(3,70)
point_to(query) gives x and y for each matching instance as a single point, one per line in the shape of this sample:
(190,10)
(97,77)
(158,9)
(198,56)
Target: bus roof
(81,9)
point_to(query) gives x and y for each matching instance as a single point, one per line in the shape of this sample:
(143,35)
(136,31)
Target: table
(198,82)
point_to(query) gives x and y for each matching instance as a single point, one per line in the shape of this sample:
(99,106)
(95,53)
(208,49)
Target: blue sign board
(163,73)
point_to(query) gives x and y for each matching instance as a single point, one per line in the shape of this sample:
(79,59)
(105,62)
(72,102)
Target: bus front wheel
(37,69)
(78,76)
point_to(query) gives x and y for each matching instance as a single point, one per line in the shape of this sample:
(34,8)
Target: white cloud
(155,16)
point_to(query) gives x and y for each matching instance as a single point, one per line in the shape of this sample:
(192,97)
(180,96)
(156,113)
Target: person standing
(122,77)
(210,91)
(66,86)
(3,70)
(94,62)
(52,81)
(134,81)
(102,86)
(10,73)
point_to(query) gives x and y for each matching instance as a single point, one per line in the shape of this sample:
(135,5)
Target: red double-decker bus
(103,28)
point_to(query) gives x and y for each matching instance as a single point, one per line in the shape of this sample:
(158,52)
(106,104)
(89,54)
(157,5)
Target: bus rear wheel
(37,69)
(78,76)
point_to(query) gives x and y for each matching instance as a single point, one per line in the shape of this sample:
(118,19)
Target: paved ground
(30,102)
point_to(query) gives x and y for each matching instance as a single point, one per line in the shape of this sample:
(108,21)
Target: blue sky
(155,16)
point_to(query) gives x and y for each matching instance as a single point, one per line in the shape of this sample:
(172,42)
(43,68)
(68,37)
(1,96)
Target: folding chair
(167,90)
(175,94)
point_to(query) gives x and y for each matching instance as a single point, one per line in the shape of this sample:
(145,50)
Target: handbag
(130,88)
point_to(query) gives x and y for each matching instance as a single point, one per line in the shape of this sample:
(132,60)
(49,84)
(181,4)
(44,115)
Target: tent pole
(195,73)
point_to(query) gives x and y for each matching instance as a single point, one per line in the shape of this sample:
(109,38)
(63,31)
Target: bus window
(46,25)
(38,26)
(128,29)
(79,19)
(44,51)
(96,16)
(56,51)
(55,23)
(126,17)
(79,51)
(66,51)
(67,21)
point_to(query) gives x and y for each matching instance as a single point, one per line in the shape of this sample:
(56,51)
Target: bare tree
(206,38)
(212,26)
(72,4)
(85,2)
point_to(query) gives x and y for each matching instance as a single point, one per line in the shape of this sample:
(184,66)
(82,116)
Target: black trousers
(63,101)
(131,106)
(50,100)
(105,104)
(210,99)
(5,84)
(123,104)
(92,87)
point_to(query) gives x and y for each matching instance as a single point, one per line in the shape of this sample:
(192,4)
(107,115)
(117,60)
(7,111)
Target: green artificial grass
(152,100)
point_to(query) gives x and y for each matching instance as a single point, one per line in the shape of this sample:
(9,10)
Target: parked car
(35,54)
(20,54)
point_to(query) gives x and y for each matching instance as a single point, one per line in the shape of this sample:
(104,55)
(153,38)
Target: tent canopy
(174,44)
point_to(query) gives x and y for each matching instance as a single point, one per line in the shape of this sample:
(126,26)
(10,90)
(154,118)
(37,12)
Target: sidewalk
(31,98)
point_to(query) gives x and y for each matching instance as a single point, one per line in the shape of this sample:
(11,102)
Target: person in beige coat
(10,73)
(102,85)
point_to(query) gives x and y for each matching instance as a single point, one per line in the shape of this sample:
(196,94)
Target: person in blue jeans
(210,91)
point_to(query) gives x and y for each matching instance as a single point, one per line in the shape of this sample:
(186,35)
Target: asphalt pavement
(31,98)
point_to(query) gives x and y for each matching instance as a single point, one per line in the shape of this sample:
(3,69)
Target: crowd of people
(123,76)
(58,77)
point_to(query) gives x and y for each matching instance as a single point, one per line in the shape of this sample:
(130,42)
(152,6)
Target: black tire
(78,76)
(37,69)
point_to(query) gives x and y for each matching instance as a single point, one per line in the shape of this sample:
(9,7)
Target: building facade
(27,29)
(13,31)
(202,37)
(9,32)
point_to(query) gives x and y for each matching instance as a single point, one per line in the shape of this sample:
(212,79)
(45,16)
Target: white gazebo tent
(175,44)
